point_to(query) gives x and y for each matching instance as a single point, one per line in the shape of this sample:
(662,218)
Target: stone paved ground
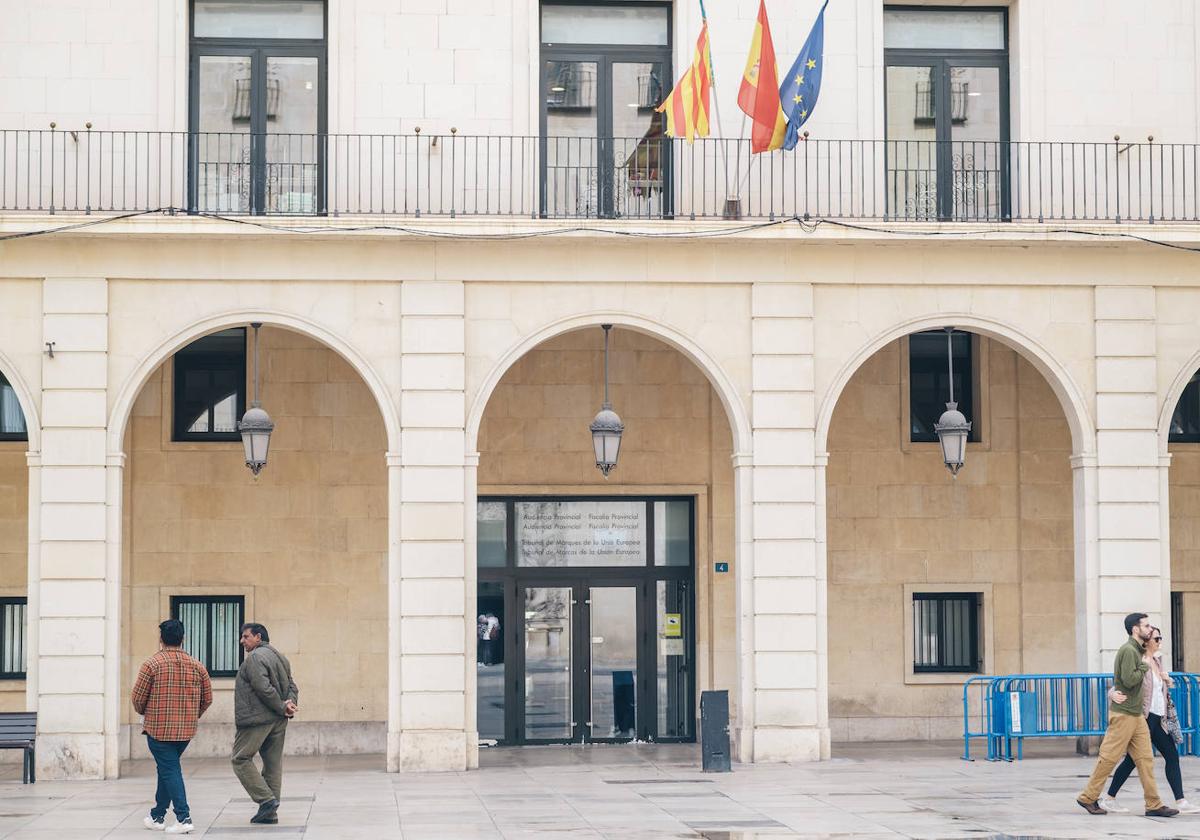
(889,790)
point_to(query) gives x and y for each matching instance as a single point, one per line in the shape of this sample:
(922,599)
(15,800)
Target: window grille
(12,638)
(212,627)
(946,632)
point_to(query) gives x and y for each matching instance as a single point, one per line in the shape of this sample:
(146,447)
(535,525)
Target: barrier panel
(1005,710)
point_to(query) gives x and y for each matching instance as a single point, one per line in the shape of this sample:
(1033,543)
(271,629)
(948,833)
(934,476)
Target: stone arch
(734,409)
(118,421)
(119,414)
(1070,396)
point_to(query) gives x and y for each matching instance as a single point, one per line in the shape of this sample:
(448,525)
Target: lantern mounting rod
(606,328)
(949,360)
(256,324)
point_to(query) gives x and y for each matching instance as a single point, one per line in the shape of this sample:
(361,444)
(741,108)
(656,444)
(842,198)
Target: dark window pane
(12,419)
(946,632)
(929,382)
(1185,422)
(211,630)
(491,622)
(210,387)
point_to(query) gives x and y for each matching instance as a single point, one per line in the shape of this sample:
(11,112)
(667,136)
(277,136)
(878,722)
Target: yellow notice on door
(672,625)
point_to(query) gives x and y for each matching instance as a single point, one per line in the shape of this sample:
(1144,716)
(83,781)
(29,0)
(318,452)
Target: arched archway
(992,557)
(684,420)
(306,548)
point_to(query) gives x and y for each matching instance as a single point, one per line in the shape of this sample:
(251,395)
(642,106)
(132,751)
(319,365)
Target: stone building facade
(420,366)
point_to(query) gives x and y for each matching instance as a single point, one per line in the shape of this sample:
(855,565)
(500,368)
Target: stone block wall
(305,543)
(897,520)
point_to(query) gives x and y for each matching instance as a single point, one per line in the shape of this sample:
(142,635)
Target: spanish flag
(759,93)
(687,105)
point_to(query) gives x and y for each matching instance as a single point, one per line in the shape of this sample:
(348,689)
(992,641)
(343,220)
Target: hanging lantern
(255,425)
(607,427)
(952,428)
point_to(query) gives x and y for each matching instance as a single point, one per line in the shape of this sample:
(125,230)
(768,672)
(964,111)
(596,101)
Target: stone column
(1130,567)
(395,477)
(77,613)
(787,591)
(33,578)
(434,640)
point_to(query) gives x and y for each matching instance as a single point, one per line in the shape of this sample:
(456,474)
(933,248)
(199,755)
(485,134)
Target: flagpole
(712,67)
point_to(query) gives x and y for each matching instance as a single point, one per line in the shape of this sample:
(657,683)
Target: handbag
(1171,722)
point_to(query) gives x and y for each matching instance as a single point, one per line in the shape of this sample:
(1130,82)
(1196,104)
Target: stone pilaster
(76,600)
(1130,569)
(788,721)
(434,632)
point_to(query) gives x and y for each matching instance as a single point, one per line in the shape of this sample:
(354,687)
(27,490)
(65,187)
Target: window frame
(974,631)
(257,50)
(22,601)
(970,387)
(211,601)
(205,361)
(940,60)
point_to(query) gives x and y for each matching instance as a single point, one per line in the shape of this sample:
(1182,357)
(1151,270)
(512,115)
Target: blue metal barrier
(1010,708)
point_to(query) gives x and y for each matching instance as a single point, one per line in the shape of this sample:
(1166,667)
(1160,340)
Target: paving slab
(637,792)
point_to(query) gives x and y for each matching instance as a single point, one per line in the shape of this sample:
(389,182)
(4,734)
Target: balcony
(646,178)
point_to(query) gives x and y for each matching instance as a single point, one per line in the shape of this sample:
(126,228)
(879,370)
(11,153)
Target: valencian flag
(759,93)
(686,108)
(802,84)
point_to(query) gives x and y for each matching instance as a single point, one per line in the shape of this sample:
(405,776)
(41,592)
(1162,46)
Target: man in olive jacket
(264,699)
(1127,729)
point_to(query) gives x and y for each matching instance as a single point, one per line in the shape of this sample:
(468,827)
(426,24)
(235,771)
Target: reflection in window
(210,387)
(12,419)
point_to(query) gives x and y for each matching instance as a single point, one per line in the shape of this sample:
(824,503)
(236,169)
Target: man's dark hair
(1132,620)
(257,630)
(171,632)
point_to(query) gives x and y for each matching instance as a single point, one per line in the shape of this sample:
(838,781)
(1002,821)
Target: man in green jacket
(264,700)
(1127,729)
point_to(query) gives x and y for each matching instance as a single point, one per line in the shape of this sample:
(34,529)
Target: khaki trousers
(1126,734)
(266,740)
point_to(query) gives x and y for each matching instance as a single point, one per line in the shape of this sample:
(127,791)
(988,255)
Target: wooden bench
(18,731)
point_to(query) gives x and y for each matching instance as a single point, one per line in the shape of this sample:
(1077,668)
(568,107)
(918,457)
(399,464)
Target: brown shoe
(1164,811)
(1093,808)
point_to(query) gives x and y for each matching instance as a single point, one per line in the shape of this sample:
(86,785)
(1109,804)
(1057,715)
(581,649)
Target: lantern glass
(952,431)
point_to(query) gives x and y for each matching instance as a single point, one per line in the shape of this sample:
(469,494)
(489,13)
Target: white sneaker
(153,824)
(1109,804)
(1186,807)
(181,828)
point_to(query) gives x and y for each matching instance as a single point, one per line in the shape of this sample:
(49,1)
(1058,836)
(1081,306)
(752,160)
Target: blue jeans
(170,779)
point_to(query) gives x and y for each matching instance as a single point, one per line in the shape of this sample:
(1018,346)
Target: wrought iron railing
(452,175)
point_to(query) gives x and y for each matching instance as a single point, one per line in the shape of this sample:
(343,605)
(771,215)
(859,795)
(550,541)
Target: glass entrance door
(584,620)
(613,666)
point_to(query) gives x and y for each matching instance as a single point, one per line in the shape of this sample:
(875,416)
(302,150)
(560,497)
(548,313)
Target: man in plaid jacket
(171,693)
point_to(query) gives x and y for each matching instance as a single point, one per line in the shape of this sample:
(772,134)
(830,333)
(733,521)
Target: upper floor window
(12,638)
(947,112)
(12,419)
(257,106)
(929,382)
(210,387)
(605,68)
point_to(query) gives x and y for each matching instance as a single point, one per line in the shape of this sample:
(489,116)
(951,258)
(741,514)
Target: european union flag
(802,84)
